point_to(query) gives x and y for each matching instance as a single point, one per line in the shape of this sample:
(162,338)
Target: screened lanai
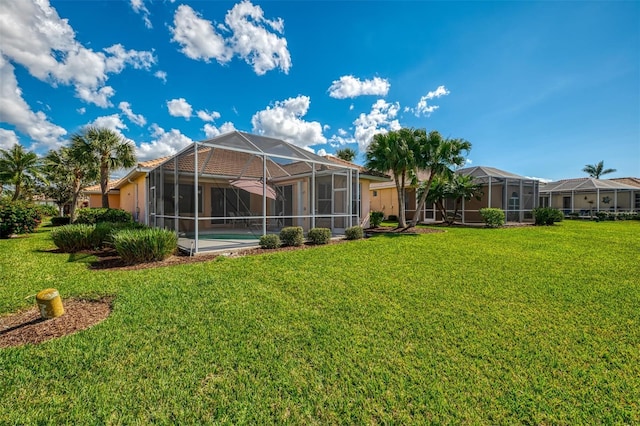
(227,191)
(516,195)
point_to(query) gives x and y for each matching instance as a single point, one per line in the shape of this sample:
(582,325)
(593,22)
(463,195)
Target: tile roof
(584,184)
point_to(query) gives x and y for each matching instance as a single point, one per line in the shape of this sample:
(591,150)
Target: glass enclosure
(228,191)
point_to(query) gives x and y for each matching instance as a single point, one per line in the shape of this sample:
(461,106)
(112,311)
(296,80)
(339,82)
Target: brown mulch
(27,327)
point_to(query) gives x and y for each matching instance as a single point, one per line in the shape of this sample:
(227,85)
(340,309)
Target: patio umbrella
(255,187)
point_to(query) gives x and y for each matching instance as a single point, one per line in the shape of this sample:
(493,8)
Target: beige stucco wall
(132,198)
(624,201)
(95,200)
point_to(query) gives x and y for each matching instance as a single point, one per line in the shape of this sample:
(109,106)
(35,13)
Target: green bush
(73,238)
(616,216)
(145,245)
(18,218)
(392,218)
(493,218)
(292,236)
(103,233)
(376,218)
(97,215)
(547,215)
(319,236)
(270,241)
(60,220)
(354,233)
(46,210)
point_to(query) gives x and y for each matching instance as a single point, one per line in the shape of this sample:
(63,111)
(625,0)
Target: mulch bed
(27,327)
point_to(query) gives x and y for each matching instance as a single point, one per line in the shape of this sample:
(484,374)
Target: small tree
(346,154)
(108,150)
(597,170)
(19,168)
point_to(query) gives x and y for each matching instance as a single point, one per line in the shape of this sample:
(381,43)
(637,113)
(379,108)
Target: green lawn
(475,326)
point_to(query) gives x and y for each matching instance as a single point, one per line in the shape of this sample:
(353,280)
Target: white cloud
(468,162)
(253,37)
(179,108)
(138,119)
(322,152)
(112,122)
(422,108)
(162,75)
(212,131)
(381,119)
(338,140)
(81,110)
(349,86)
(34,36)
(14,110)
(139,7)
(351,107)
(284,121)
(543,180)
(208,116)
(164,144)
(198,38)
(253,41)
(8,138)
(342,132)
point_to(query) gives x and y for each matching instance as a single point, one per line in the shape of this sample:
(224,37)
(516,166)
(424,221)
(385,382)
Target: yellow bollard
(49,303)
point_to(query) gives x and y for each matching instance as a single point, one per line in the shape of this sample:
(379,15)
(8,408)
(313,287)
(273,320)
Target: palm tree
(69,171)
(108,150)
(438,155)
(19,168)
(597,170)
(394,152)
(346,154)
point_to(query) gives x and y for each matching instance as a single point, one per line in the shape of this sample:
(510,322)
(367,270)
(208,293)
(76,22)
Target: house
(516,195)
(586,196)
(228,191)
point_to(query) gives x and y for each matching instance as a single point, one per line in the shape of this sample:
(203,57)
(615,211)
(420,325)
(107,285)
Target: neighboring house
(516,195)
(230,190)
(585,196)
(128,193)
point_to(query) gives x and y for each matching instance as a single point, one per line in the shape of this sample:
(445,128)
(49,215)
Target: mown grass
(526,325)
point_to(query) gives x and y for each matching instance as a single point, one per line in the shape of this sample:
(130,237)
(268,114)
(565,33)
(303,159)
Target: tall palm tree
(394,152)
(69,170)
(346,154)
(108,150)
(439,156)
(597,170)
(19,168)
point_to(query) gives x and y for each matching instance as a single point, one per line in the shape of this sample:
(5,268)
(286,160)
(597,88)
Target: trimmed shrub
(60,220)
(145,245)
(392,218)
(547,215)
(97,215)
(493,218)
(270,241)
(599,216)
(46,210)
(354,233)
(376,218)
(18,218)
(292,236)
(103,233)
(73,238)
(319,236)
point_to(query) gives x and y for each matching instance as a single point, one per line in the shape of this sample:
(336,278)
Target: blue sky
(539,88)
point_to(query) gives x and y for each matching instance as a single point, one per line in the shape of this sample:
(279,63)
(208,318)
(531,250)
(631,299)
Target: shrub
(547,215)
(392,218)
(46,210)
(270,241)
(103,233)
(97,215)
(145,245)
(319,236)
(376,218)
(60,220)
(18,218)
(354,233)
(73,238)
(493,218)
(292,236)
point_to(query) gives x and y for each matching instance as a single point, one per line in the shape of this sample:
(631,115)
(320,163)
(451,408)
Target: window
(186,200)
(514,201)
(375,193)
(637,201)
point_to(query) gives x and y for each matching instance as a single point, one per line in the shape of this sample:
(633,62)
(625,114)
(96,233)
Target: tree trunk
(104,186)
(74,200)
(423,198)
(402,223)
